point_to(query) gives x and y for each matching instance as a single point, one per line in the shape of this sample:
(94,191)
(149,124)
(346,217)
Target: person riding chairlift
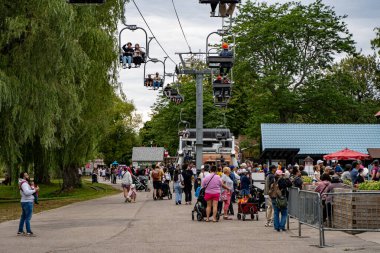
(156,81)
(223,9)
(149,81)
(127,55)
(138,56)
(225,66)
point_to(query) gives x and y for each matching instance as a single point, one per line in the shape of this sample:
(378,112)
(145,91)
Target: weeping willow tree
(57,76)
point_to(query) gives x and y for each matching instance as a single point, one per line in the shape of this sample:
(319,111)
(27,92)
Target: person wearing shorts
(156,176)
(213,185)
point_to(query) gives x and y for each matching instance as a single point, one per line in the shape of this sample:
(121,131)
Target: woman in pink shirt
(212,184)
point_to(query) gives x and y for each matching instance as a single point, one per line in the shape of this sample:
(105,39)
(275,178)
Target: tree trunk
(70,178)
(41,170)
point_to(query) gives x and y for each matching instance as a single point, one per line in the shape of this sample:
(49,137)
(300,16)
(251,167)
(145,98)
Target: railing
(342,210)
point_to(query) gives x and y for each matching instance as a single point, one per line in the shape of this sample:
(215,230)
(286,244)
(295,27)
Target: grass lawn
(50,197)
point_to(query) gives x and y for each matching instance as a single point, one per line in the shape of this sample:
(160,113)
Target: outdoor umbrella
(346,154)
(115,163)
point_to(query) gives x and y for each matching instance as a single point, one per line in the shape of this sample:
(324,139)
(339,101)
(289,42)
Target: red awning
(346,154)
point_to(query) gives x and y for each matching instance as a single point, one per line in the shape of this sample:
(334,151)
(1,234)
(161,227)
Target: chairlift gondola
(89,2)
(217,59)
(223,11)
(222,91)
(138,55)
(154,81)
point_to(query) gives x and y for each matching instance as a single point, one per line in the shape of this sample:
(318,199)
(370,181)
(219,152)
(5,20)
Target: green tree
(57,74)
(279,48)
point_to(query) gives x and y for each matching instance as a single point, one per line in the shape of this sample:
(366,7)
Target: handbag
(202,192)
(182,184)
(224,196)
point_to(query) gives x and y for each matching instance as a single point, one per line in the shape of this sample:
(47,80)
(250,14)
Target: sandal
(207,220)
(227,218)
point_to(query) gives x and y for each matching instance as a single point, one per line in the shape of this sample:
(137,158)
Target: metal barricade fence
(293,202)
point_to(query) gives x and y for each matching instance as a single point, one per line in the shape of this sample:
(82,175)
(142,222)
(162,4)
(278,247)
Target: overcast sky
(363,17)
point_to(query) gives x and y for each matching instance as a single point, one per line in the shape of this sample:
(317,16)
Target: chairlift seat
(215,61)
(220,1)
(221,85)
(86,1)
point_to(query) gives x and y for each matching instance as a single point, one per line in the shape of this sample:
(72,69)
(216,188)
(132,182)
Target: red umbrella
(346,154)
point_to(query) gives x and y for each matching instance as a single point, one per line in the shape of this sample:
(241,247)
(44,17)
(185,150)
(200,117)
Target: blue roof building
(288,141)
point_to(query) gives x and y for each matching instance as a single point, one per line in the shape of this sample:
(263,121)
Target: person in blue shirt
(245,183)
(225,66)
(354,172)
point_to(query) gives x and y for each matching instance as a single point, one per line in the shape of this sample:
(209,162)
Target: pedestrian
(157,182)
(226,192)
(375,172)
(278,193)
(296,179)
(212,185)
(322,189)
(269,180)
(355,172)
(335,183)
(27,201)
(132,194)
(178,186)
(187,177)
(317,174)
(126,182)
(204,172)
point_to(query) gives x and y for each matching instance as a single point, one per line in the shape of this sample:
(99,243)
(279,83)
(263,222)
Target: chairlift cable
(146,23)
(180,25)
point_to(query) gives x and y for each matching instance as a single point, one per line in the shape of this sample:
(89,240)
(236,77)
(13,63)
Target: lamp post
(309,165)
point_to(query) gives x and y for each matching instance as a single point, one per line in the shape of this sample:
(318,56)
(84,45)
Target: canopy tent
(346,154)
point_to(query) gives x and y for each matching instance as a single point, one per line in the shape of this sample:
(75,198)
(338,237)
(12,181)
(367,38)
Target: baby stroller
(141,183)
(248,206)
(258,194)
(166,190)
(200,208)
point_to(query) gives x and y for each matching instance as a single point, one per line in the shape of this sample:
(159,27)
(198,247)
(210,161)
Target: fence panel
(293,202)
(309,208)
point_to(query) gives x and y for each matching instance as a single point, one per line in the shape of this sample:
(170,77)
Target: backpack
(155,175)
(281,202)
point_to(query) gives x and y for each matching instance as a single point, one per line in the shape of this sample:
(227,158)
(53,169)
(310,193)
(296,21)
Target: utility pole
(199,111)
(199,121)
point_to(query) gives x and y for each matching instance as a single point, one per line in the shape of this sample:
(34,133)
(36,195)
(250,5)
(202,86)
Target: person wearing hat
(278,189)
(375,172)
(269,180)
(226,10)
(225,66)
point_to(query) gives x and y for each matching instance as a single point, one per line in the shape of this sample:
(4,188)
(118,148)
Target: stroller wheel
(199,217)
(217,216)
(170,195)
(239,216)
(192,215)
(252,216)
(243,217)
(257,217)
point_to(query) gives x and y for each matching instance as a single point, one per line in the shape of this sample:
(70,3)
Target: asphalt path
(110,225)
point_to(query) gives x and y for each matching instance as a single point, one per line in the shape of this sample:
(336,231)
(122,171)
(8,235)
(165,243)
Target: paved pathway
(110,225)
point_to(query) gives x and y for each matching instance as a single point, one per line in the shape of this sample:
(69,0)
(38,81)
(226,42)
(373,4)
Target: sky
(363,17)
